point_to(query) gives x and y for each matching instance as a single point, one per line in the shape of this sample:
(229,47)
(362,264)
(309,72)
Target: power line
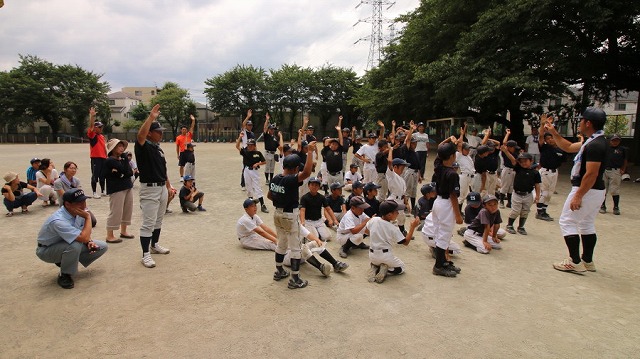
(376,38)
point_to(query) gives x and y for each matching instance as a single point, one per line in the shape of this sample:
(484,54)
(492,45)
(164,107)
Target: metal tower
(376,38)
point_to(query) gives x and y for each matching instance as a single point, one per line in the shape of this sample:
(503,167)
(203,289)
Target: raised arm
(506,137)
(487,133)
(504,150)
(92,118)
(239,140)
(308,165)
(267,117)
(246,119)
(339,129)
(193,124)
(463,131)
(146,125)
(381,135)
(562,142)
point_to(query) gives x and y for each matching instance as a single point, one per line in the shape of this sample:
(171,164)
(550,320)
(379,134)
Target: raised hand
(155,112)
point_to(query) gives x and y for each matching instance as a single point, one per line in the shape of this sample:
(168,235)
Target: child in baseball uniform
(252,159)
(446,212)
(251,230)
(428,235)
(352,229)
(357,190)
(397,186)
(383,234)
(484,233)
(188,159)
(525,181)
(336,200)
(312,206)
(189,195)
(352,176)
(425,203)
(474,205)
(312,246)
(370,196)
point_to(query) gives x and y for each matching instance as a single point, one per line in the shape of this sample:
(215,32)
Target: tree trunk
(635,150)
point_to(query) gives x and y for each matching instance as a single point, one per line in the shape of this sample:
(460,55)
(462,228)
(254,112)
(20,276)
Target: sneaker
(201,209)
(461,231)
(371,274)
(104,194)
(567,265)
(382,273)
(65,281)
(444,271)
(510,229)
(325,269)
(181,180)
(603,209)
(451,266)
(616,211)
(590,266)
(342,253)
(158,249)
(266,183)
(522,231)
(363,246)
(243,189)
(184,210)
(340,267)
(501,205)
(147,260)
(277,275)
(264,209)
(544,216)
(96,195)
(168,211)
(297,285)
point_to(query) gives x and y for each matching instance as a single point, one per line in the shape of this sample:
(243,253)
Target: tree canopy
(175,105)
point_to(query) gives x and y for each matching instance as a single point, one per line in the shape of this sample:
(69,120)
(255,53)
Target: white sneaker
(590,266)
(168,211)
(567,265)
(96,195)
(158,249)
(147,260)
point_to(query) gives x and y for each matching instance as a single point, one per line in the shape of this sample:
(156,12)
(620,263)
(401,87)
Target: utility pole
(376,38)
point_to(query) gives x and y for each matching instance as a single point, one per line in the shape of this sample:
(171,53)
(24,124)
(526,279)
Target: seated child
(370,196)
(352,229)
(384,234)
(474,205)
(484,233)
(425,203)
(189,194)
(351,177)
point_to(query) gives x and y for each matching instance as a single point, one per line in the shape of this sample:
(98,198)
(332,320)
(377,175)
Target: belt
(612,169)
(41,245)
(521,193)
(468,175)
(491,172)
(334,173)
(381,250)
(287,210)
(552,170)
(272,152)
(155,184)
(252,168)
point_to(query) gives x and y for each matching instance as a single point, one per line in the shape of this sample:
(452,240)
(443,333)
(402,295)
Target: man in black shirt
(154,186)
(615,166)
(271,142)
(252,159)
(577,221)
(551,157)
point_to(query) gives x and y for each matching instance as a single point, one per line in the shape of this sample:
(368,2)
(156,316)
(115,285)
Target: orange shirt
(182,140)
(97,145)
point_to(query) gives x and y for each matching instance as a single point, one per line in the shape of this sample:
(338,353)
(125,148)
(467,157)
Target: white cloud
(145,43)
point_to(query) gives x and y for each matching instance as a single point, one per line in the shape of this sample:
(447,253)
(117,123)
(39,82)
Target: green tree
(333,88)
(237,90)
(617,124)
(175,104)
(290,90)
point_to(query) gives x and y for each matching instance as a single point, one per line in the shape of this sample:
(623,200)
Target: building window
(153,93)
(621,106)
(138,93)
(112,102)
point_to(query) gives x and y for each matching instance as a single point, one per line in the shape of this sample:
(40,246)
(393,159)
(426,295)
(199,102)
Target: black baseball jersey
(284,191)
(152,164)
(470,212)
(270,142)
(346,143)
(551,157)
(356,146)
(374,206)
(332,158)
(505,159)
(249,158)
(411,156)
(594,151)
(335,203)
(493,161)
(616,157)
(447,182)
(313,205)
(525,179)
(187,156)
(381,162)
(483,218)
(480,164)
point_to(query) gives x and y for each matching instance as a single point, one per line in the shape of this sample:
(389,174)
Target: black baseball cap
(359,202)
(370,185)
(291,161)
(594,114)
(315,180)
(336,185)
(389,206)
(155,126)
(357,184)
(249,202)
(251,141)
(446,150)
(474,198)
(525,156)
(428,188)
(512,143)
(74,195)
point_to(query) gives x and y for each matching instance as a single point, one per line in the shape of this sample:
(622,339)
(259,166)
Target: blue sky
(146,43)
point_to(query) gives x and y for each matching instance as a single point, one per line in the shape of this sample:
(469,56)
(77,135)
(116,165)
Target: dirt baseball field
(209,298)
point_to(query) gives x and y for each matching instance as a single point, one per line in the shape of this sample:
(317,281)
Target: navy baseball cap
(399,162)
(34,160)
(369,186)
(346,129)
(304,143)
(525,156)
(251,141)
(155,126)
(249,202)
(336,185)
(188,178)
(594,114)
(474,198)
(315,180)
(272,127)
(512,143)
(466,146)
(291,161)
(310,127)
(382,143)
(74,195)
(615,137)
(428,188)
(372,135)
(389,206)
(353,165)
(357,184)
(446,150)
(482,149)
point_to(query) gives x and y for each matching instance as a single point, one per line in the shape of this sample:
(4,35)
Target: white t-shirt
(369,151)
(474,141)
(353,177)
(423,141)
(383,234)
(532,142)
(465,163)
(39,175)
(397,186)
(246,225)
(350,221)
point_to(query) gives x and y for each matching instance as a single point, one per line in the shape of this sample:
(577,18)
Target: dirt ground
(210,298)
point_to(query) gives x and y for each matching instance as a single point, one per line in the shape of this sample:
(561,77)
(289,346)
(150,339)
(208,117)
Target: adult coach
(422,144)
(154,185)
(283,191)
(65,238)
(587,192)
(181,142)
(97,152)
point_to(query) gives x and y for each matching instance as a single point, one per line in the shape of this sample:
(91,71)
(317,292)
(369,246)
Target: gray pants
(271,161)
(383,191)
(68,255)
(520,205)
(153,203)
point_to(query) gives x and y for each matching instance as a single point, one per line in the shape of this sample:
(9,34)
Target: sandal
(10,214)
(127,236)
(117,240)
